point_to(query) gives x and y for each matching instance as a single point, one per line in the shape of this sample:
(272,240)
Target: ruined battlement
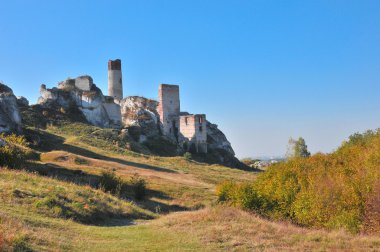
(114,64)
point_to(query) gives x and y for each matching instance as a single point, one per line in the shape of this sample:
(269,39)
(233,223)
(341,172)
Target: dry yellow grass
(230,229)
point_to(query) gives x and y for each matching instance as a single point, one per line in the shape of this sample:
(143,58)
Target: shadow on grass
(80,177)
(50,142)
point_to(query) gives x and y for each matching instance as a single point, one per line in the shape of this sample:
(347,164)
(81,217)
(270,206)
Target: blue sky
(262,70)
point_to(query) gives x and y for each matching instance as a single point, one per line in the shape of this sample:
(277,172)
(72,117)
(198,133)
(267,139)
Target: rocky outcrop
(22,101)
(140,112)
(10,119)
(220,148)
(216,139)
(83,94)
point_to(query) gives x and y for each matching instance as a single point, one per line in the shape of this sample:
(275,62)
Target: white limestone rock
(217,140)
(140,112)
(10,118)
(83,93)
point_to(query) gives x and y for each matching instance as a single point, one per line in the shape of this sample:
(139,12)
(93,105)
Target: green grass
(59,208)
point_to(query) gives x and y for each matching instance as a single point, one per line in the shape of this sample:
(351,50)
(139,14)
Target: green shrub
(14,151)
(224,191)
(138,186)
(187,156)
(111,183)
(20,243)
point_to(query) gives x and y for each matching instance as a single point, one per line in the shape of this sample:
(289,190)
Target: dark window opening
(200,128)
(186,120)
(175,130)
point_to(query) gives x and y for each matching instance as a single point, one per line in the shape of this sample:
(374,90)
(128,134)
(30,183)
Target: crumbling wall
(194,133)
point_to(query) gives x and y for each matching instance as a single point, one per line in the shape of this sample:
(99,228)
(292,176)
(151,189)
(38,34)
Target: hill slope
(337,190)
(60,208)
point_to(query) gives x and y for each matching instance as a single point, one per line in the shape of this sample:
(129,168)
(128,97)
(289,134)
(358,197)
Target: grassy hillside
(54,202)
(60,187)
(338,190)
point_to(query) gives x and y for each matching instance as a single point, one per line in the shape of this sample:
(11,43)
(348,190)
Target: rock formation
(82,93)
(140,112)
(10,119)
(220,148)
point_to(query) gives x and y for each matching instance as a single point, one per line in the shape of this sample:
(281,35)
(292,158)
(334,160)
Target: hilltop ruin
(147,120)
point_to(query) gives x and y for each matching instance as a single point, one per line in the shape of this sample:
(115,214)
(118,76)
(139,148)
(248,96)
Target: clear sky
(262,70)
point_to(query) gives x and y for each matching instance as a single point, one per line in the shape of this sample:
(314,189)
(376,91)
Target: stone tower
(169,110)
(115,83)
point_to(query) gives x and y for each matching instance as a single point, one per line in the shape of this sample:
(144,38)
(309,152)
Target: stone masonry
(115,82)
(169,109)
(194,133)
(189,131)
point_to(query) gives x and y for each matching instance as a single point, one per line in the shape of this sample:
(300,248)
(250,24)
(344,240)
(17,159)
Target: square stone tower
(115,82)
(194,132)
(169,109)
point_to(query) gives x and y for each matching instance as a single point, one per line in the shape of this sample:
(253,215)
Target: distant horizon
(263,71)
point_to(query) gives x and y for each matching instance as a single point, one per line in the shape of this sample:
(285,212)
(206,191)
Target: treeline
(337,190)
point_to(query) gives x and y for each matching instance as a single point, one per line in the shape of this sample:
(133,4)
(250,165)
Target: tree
(297,148)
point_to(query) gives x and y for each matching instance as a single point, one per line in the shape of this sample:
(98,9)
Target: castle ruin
(194,132)
(187,130)
(115,82)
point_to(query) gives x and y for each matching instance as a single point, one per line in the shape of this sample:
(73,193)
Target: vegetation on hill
(14,150)
(86,187)
(34,198)
(338,190)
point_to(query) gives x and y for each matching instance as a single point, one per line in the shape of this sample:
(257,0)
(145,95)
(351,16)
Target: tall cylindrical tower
(115,83)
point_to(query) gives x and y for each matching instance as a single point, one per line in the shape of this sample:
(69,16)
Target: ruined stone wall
(115,82)
(169,109)
(193,129)
(84,83)
(114,111)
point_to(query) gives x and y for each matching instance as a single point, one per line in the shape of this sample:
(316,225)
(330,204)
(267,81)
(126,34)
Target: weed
(187,156)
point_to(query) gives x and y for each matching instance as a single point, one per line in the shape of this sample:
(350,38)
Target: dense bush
(13,150)
(138,186)
(338,190)
(111,183)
